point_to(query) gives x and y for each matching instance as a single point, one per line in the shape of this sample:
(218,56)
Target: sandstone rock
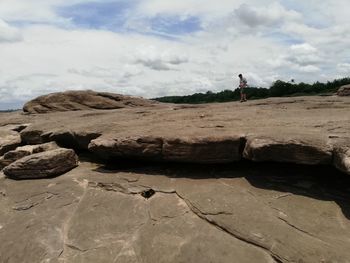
(129,147)
(9,138)
(69,139)
(239,213)
(20,152)
(42,165)
(32,136)
(203,150)
(344,91)
(342,158)
(288,150)
(195,150)
(82,100)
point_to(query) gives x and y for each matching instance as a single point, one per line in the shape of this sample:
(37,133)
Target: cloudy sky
(155,48)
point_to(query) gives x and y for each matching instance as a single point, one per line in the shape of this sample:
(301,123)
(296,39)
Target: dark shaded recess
(147,193)
(77,142)
(318,182)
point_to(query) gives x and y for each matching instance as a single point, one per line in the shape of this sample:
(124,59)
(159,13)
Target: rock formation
(82,100)
(264,181)
(9,138)
(286,150)
(23,151)
(344,91)
(42,165)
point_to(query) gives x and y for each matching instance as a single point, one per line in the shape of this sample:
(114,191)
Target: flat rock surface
(263,213)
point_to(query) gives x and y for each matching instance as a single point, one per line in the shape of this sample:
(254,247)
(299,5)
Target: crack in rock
(240,237)
(66,224)
(300,229)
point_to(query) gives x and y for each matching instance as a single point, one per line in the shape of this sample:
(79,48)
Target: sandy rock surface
(197,214)
(262,181)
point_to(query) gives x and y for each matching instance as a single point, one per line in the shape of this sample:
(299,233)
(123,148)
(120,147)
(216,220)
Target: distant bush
(278,89)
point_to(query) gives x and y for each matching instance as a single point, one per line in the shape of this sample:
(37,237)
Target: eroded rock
(342,158)
(297,151)
(82,100)
(23,151)
(130,147)
(203,150)
(42,165)
(344,91)
(9,138)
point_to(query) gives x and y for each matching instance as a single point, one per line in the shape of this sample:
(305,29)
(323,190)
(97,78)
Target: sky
(154,48)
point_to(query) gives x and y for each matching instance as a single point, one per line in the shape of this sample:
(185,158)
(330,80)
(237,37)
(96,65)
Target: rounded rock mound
(344,91)
(83,100)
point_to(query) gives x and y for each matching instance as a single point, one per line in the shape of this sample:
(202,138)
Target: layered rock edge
(299,149)
(42,165)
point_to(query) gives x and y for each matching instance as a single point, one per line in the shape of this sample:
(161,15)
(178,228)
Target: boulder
(297,151)
(344,91)
(42,165)
(23,151)
(83,100)
(9,138)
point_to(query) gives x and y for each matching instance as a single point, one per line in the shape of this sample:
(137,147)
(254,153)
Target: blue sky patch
(112,15)
(98,15)
(175,25)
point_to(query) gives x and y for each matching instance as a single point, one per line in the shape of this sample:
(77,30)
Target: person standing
(242,86)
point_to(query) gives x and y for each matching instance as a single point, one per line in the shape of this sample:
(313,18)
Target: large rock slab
(129,147)
(42,165)
(299,151)
(82,100)
(344,91)
(23,151)
(180,133)
(281,213)
(186,150)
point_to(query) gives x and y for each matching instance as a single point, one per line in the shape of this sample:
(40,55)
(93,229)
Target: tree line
(278,89)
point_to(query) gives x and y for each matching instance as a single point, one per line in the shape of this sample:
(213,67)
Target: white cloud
(167,59)
(344,68)
(303,49)
(9,33)
(308,68)
(265,16)
(304,55)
